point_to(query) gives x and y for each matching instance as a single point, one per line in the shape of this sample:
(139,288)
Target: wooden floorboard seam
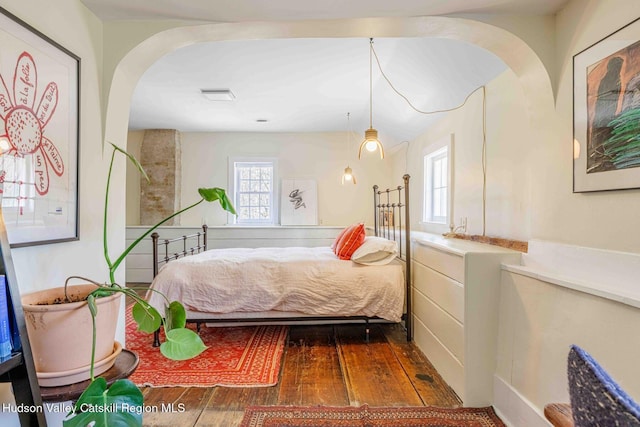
(368,373)
(342,365)
(407,373)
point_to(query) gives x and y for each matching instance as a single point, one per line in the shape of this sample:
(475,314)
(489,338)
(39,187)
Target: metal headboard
(390,206)
(200,239)
(391,221)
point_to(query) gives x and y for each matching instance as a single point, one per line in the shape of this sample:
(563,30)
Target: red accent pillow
(352,239)
(334,245)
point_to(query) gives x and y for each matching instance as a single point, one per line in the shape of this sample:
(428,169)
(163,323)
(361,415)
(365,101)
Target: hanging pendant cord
(372,52)
(446,110)
(371,83)
(349,132)
(484,160)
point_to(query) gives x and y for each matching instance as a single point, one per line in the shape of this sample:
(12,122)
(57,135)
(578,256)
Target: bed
(293,285)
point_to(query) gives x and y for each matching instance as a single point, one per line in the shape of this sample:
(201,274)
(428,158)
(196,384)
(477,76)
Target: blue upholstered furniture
(596,399)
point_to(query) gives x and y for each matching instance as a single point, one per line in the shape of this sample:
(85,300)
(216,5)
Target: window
(19,190)
(437,185)
(253,190)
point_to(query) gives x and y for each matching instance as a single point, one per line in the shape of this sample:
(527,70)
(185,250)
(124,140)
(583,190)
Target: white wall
(530,163)
(319,156)
(539,320)
(508,142)
(607,220)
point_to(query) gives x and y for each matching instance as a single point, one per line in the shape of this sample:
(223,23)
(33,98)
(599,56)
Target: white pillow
(375,251)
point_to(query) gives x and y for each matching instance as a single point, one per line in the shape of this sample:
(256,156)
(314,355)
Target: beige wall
(508,143)
(134,143)
(607,220)
(319,156)
(538,320)
(530,166)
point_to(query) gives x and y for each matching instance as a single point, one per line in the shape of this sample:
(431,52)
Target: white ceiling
(309,85)
(284,10)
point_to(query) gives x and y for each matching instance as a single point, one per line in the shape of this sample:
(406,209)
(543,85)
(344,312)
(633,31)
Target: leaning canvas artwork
(299,202)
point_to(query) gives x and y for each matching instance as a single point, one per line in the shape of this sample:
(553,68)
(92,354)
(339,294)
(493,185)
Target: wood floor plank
(371,370)
(330,365)
(176,406)
(433,390)
(219,418)
(238,398)
(227,404)
(311,373)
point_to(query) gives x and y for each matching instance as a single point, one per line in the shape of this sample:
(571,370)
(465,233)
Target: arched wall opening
(523,62)
(518,56)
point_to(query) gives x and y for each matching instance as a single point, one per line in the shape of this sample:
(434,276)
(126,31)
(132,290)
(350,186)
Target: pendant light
(348,173)
(371,141)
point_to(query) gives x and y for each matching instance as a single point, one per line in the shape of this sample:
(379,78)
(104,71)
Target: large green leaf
(182,344)
(213,194)
(147,317)
(175,316)
(119,405)
(133,160)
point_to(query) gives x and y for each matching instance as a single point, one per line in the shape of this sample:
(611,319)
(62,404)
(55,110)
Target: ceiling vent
(218,94)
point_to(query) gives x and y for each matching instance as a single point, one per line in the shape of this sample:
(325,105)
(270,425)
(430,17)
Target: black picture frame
(606,113)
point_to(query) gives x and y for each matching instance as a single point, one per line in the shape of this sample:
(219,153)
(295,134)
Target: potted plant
(121,403)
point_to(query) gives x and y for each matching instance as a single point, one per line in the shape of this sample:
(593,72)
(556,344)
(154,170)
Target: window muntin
(254,195)
(18,190)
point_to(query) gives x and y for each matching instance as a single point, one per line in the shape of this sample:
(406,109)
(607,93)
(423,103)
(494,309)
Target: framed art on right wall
(606,113)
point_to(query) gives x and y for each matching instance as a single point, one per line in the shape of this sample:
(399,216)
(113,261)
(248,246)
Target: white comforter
(312,281)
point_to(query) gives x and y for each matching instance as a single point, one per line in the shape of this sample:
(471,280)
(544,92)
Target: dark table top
(125,364)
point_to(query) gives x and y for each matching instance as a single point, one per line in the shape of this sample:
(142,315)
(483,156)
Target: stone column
(160,156)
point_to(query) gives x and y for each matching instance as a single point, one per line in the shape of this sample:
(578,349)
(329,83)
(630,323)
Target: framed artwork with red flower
(39,135)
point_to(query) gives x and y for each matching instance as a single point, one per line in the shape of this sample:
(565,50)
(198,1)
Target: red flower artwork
(25,121)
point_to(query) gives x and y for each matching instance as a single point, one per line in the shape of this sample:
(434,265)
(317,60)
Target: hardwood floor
(322,365)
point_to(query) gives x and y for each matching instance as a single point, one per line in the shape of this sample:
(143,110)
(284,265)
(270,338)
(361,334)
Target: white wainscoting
(557,296)
(139,261)
(514,409)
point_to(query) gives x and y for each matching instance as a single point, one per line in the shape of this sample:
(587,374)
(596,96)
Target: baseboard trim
(513,408)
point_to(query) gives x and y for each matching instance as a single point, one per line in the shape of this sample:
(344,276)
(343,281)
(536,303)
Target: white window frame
(442,148)
(233,194)
(19,192)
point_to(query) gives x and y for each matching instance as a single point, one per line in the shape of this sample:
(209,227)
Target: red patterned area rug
(244,356)
(366,416)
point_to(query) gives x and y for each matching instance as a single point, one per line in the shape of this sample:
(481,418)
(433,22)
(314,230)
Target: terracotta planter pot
(61,334)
